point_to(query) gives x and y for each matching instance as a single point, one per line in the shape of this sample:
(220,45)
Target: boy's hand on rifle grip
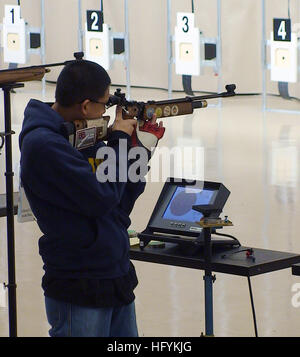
(127,126)
(148,133)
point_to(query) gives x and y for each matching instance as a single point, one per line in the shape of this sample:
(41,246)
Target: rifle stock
(23,75)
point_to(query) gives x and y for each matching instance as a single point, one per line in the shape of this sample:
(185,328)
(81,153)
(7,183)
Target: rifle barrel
(230,93)
(36,66)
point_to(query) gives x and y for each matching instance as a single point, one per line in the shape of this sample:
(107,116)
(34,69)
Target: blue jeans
(68,320)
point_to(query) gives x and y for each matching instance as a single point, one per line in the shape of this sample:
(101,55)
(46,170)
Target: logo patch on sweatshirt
(95,163)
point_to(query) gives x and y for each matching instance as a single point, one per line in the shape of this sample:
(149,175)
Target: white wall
(241,37)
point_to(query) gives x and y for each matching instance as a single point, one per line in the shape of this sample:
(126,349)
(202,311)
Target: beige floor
(256,156)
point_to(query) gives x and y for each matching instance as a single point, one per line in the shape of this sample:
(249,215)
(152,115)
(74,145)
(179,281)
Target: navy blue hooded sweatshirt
(84,222)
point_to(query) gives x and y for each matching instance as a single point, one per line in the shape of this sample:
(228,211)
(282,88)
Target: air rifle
(164,108)
(85,133)
(31,73)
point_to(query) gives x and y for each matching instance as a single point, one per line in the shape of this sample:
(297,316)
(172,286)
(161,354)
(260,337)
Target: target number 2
(94,20)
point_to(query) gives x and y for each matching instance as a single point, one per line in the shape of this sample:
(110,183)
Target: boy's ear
(84,107)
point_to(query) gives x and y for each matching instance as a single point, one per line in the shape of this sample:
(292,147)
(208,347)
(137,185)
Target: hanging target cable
(283,87)
(187,79)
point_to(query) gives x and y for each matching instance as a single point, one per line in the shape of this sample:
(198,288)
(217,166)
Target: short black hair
(80,80)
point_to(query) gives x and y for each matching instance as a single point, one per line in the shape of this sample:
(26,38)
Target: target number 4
(282,29)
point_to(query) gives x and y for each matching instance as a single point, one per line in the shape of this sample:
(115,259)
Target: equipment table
(235,261)
(237,264)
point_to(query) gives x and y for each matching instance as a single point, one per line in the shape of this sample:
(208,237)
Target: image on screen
(182,201)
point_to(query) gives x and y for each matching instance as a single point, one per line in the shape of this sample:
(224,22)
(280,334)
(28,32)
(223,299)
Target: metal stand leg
(43,46)
(127,49)
(252,305)
(169,49)
(12,301)
(208,284)
(10,218)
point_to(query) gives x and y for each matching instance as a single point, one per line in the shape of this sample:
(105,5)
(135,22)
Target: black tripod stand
(7,135)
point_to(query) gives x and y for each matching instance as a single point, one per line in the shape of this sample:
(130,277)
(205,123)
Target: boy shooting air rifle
(83,213)
(84,133)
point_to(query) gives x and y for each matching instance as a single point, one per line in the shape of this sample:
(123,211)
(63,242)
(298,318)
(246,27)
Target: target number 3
(185,22)
(185,27)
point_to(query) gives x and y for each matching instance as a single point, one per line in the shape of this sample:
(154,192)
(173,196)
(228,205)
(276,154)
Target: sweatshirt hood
(40,115)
